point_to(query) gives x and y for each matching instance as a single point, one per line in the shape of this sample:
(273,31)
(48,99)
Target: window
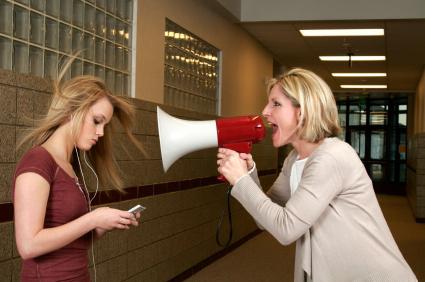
(357,114)
(358,142)
(378,114)
(191,71)
(376,129)
(377,144)
(342,116)
(37,35)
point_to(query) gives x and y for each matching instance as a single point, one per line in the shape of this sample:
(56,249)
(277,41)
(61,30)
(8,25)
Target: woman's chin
(276,142)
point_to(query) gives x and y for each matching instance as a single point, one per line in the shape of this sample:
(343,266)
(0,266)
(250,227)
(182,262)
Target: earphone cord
(89,200)
(229,216)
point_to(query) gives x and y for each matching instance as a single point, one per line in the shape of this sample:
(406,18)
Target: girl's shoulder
(36,154)
(38,160)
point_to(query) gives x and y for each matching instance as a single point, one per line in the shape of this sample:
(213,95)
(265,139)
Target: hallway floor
(264,259)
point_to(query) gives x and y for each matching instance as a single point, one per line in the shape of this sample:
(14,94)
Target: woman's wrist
(251,170)
(237,180)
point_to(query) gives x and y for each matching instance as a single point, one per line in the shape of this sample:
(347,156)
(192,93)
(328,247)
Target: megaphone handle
(221,178)
(242,147)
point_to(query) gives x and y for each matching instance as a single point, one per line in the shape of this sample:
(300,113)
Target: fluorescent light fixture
(359,74)
(343,32)
(376,86)
(353,58)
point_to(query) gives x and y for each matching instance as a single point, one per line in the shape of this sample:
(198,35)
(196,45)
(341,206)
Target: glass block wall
(191,71)
(37,35)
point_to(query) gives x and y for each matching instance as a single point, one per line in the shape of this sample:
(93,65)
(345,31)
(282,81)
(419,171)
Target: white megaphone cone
(178,137)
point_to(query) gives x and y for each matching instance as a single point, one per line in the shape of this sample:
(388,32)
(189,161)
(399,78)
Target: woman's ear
(298,113)
(300,118)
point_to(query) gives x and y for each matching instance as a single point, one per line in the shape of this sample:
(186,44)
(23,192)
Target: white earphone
(89,200)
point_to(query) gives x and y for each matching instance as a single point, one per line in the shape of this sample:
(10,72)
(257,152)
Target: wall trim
(136,192)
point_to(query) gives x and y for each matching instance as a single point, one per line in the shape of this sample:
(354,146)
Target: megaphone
(179,137)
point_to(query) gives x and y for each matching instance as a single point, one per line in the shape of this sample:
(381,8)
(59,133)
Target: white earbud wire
(89,199)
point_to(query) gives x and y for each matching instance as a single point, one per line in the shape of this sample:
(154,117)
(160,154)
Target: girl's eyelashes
(276,104)
(97,121)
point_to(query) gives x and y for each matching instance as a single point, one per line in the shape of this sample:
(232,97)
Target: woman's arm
(30,202)
(280,191)
(235,165)
(320,184)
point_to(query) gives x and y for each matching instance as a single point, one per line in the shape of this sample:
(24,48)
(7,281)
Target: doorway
(376,129)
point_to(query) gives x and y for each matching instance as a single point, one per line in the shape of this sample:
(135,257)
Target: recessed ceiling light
(353,58)
(381,86)
(343,32)
(359,74)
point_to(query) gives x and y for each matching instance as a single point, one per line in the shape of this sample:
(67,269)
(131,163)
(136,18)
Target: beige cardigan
(334,216)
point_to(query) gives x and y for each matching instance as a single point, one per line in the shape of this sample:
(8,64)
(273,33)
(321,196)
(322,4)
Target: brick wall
(177,230)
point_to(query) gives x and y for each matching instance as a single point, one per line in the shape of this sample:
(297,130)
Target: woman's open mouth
(274,127)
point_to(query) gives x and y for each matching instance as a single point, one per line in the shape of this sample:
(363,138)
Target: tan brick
(111,245)
(147,275)
(146,123)
(6,179)
(135,262)
(7,143)
(15,253)
(8,103)
(8,77)
(6,271)
(6,236)
(420,164)
(33,82)
(140,236)
(21,132)
(16,270)
(25,107)
(150,255)
(166,270)
(41,104)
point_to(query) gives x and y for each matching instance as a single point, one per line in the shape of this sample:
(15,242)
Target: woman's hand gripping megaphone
(233,165)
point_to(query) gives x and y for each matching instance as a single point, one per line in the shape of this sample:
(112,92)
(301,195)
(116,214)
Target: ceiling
(403,45)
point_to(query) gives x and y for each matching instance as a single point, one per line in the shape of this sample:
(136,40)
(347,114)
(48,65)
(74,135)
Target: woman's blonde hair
(306,90)
(71,101)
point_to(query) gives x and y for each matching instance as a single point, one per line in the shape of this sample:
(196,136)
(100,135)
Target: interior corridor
(264,259)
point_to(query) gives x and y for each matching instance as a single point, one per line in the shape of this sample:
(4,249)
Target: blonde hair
(72,100)
(307,91)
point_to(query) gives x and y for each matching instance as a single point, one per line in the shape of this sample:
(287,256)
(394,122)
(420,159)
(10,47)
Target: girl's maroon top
(66,202)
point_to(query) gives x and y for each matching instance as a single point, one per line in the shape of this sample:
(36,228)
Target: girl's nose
(99,131)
